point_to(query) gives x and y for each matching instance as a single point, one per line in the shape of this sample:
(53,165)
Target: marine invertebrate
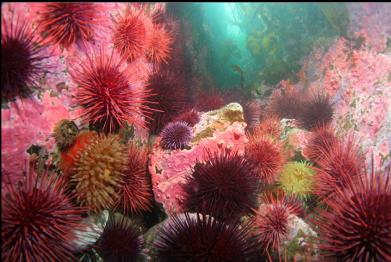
(269,126)
(287,103)
(317,110)
(209,100)
(252,113)
(170,98)
(65,133)
(355,226)
(22,58)
(121,240)
(266,155)
(67,23)
(135,194)
(98,172)
(190,117)
(224,186)
(175,135)
(68,156)
(341,162)
(160,42)
(131,37)
(320,139)
(107,94)
(201,237)
(272,218)
(297,178)
(37,220)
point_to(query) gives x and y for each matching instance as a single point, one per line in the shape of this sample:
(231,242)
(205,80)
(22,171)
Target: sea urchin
(266,155)
(22,58)
(356,226)
(224,186)
(317,110)
(170,98)
(37,220)
(106,95)
(135,194)
(175,135)
(121,240)
(196,237)
(131,33)
(271,219)
(67,23)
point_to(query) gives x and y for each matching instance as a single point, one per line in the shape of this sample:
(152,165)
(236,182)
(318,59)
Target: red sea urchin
(135,194)
(121,240)
(175,135)
(286,104)
(271,220)
(320,139)
(22,57)
(197,237)
(341,162)
(131,33)
(160,44)
(356,226)
(106,95)
(170,98)
(317,110)
(266,155)
(68,23)
(190,117)
(224,186)
(38,219)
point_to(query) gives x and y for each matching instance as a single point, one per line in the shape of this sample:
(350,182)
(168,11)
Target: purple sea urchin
(22,58)
(224,186)
(196,237)
(121,240)
(356,225)
(175,135)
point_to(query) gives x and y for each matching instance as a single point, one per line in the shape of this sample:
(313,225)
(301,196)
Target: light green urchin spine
(297,178)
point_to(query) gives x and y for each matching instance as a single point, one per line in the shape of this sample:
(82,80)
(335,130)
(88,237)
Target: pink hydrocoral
(25,123)
(371,21)
(357,81)
(169,169)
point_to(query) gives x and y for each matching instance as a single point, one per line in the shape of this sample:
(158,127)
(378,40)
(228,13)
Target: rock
(219,129)
(94,228)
